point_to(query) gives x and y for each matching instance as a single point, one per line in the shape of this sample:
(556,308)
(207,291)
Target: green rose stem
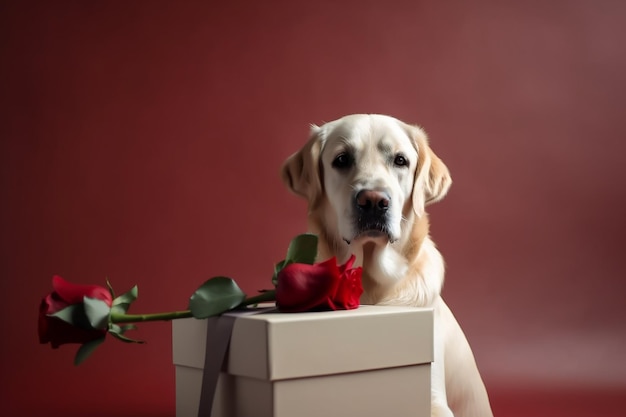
(137,318)
(265,296)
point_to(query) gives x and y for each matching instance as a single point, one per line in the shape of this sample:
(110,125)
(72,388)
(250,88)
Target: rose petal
(303,287)
(73,293)
(53,303)
(348,264)
(350,289)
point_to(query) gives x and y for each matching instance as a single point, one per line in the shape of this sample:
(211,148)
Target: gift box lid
(275,346)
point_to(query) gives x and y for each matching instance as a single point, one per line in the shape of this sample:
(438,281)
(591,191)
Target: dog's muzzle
(372,213)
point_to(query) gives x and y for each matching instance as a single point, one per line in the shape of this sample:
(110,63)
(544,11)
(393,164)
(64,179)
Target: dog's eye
(343,161)
(400,161)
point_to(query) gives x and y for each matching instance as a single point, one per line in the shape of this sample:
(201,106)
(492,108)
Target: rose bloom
(321,286)
(55,331)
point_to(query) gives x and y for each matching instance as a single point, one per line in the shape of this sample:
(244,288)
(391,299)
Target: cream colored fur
(401,265)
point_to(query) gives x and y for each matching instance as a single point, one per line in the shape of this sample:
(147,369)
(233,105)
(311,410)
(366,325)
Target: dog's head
(368,175)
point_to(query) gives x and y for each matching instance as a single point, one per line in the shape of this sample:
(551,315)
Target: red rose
(321,286)
(56,331)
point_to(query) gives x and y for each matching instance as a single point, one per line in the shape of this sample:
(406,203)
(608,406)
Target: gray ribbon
(219,331)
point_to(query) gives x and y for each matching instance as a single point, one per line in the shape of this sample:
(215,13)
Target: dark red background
(141,141)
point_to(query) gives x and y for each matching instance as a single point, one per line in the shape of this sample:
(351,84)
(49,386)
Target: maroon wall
(141,141)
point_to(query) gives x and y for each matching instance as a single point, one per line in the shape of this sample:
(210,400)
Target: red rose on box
(84,314)
(56,331)
(321,286)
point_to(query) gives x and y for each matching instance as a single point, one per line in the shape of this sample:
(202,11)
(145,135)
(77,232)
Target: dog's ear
(439,180)
(432,177)
(301,171)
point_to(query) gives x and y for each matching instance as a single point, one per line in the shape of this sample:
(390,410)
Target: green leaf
(302,249)
(97,312)
(127,327)
(125,339)
(123,302)
(116,328)
(118,331)
(118,310)
(86,350)
(215,296)
(277,268)
(73,314)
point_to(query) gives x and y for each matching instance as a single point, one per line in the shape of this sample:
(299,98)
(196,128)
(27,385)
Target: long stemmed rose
(85,314)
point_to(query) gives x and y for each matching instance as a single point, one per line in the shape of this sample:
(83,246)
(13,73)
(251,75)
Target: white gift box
(372,361)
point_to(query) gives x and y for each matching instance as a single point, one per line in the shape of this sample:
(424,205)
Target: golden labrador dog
(367,179)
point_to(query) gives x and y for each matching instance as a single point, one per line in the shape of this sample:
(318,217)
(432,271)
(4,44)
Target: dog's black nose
(372,202)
